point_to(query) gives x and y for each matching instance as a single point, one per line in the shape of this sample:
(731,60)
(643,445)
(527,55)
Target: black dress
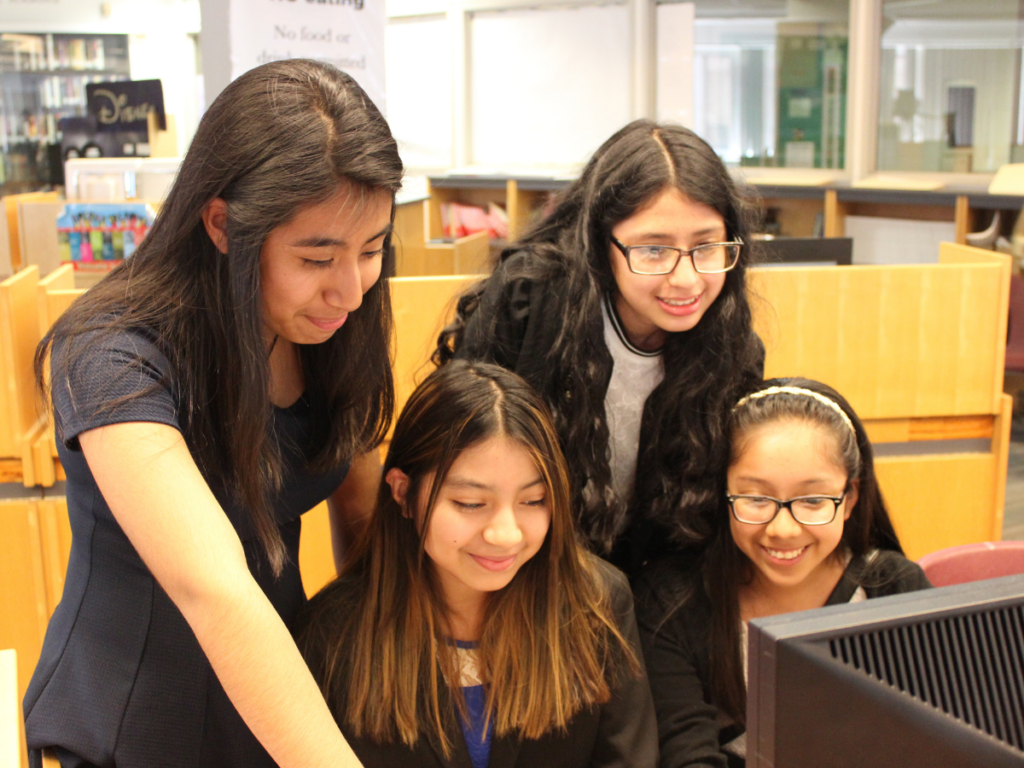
(122,679)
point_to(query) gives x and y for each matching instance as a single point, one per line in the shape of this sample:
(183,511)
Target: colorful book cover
(94,235)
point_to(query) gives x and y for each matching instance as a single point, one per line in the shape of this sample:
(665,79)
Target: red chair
(973,562)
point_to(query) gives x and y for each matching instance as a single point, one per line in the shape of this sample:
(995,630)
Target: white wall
(172,60)
(85,16)
(418,72)
(547,86)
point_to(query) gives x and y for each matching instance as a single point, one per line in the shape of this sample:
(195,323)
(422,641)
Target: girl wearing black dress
(229,376)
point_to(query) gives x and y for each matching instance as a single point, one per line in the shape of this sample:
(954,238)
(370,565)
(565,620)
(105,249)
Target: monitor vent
(970,666)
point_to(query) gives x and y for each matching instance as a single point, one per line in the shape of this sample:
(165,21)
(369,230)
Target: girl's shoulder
(880,572)
(325,618)
(671,589)
(330,609)
(609,578)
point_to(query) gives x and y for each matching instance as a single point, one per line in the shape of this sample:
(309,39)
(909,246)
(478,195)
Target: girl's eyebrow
(320,241)
(707,231)
(465,482)
(767,481)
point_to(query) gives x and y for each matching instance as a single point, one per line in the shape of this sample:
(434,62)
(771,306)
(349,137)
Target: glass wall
(42,81)
(770,81)
(950,91)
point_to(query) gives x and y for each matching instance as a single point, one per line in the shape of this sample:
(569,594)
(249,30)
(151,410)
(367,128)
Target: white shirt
(635,374)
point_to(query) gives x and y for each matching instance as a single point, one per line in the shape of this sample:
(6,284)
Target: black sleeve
(494,331)
(123,377)
(627,733)
(688,724)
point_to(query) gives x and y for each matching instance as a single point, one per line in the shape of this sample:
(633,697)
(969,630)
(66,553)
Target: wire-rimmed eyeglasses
(806,510)
(708,259)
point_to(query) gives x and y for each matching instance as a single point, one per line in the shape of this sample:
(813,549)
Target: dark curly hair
(706,369)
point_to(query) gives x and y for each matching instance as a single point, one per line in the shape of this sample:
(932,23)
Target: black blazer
(619,734)
(677,646)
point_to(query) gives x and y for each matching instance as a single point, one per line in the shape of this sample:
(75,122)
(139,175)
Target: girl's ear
(215,219)
(399,482)
(851,499)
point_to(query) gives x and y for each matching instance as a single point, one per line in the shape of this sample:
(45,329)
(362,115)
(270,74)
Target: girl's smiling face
(784,459)
(491,516)
(315,268)
(652,306)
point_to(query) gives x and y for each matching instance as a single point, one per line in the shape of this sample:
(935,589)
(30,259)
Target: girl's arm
(688,724)
(628,736)
(351,505)
(161,501)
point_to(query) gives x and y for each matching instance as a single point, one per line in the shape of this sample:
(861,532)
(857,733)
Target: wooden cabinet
(918,350)
(787,210)
(35,540)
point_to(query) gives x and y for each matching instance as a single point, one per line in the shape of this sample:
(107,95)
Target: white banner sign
(346,33)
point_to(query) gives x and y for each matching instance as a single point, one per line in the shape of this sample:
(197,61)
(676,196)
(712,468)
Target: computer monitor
(806,250)
(927,679)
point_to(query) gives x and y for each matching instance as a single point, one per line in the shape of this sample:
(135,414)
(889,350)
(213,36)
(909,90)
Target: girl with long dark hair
(227,378)
(626,308)
(471,628)
(801,524)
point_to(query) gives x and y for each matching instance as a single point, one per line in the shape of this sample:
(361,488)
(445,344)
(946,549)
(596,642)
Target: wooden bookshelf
(798,210)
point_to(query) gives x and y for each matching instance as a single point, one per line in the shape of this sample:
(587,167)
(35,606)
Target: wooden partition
(918,350)
(422,307)
(12,216)
(20,419)
(23,599)
(37,228)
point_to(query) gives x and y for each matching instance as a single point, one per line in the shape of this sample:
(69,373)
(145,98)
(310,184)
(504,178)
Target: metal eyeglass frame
(680,252)
(787,504)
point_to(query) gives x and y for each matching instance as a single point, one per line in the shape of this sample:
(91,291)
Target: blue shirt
(475,729)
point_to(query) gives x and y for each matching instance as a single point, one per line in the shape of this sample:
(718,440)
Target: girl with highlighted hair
(471,628)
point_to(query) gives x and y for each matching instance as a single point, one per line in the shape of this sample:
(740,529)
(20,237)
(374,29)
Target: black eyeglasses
(663,259)
(806,510)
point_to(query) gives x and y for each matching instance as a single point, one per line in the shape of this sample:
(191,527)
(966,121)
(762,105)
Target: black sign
(123,106)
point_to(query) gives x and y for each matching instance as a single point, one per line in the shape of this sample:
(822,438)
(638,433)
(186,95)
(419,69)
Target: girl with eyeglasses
(470,628)
(801,524)
(626,308)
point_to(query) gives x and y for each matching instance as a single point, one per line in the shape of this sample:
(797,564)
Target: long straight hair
(706,368)
(376,638)
(282,137)
(725,569)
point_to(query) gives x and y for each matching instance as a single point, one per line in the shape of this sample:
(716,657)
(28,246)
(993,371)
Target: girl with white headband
(802,524)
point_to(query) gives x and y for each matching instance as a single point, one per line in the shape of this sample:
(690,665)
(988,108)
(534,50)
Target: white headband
(799,391)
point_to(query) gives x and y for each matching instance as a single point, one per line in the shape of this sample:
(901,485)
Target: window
(950,91)
(770,81)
